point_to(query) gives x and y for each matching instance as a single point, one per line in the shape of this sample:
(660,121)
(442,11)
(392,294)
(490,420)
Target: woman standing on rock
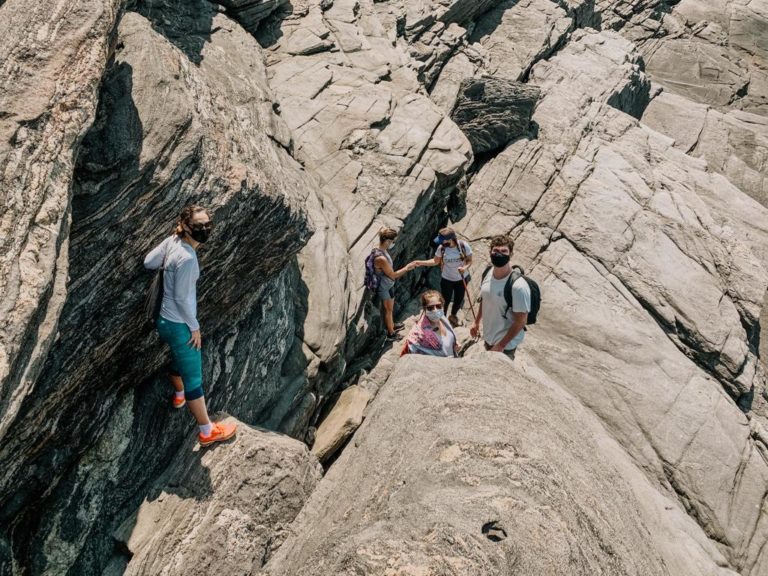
(177,324)
(454,257)
(432,334)
(384,269)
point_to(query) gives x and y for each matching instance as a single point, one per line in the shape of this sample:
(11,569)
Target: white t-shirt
(449,340)
(452,260)
(495,326)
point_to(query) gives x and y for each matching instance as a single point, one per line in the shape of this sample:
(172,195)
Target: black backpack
(518,272)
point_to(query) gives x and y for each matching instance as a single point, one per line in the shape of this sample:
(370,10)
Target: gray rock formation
(637,199)
(712,52)
(482,469)
(381,153)
(734,144)
(145,157)
(38,133)
(651,255)
(492,111)
(52,62)
(209,512)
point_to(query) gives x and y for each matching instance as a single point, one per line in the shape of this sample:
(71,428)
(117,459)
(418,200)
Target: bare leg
(389,307)
(177,383)
(199,411)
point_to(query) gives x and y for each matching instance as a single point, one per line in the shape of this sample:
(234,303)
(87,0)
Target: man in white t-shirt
(503,326)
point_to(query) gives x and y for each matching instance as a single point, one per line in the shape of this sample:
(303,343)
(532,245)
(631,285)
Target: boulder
(221,508)
(341,422)
(472,467)
(492,111)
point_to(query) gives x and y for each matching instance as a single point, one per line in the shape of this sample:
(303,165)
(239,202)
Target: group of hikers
(505,296)
(503,312)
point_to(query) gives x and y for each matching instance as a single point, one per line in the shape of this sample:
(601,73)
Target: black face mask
(200,235)
(499,260)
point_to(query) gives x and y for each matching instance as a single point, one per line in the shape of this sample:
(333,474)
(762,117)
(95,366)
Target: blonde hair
(429,294)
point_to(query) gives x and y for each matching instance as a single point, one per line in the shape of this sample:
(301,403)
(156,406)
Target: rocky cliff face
(623,146)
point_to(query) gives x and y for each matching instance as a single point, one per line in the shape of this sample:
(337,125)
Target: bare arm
(474,331)
(519,319)
(386,268)
(436,261)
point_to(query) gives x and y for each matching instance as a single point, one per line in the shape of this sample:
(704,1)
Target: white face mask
(392,245)
(435,315)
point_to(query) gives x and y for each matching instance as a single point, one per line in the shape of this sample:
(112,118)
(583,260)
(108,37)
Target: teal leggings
(186,361)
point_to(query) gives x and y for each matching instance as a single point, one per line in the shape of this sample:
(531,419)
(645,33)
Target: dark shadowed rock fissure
(98,427)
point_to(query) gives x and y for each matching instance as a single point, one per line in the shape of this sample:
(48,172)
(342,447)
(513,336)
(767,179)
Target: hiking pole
(469,297)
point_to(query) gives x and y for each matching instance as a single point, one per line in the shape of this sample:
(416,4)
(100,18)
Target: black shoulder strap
(485,273)
(517,272)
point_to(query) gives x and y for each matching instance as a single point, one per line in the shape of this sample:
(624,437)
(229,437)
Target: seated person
(432,334)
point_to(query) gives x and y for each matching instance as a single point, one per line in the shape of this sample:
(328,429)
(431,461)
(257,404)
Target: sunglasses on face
(433,307)
(203,226)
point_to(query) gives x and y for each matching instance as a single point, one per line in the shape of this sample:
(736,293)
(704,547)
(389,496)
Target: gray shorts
(386,293)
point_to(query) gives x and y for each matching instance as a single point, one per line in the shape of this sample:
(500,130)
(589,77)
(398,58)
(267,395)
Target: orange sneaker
(178,402)
(221,431)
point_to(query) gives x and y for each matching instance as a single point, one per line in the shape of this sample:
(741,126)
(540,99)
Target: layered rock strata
(713,52)
(177,123)
(250,13)
(51,62)
(734,143)
(626,199)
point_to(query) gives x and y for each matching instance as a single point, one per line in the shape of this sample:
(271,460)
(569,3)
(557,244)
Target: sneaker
(399,326)
(178,402)
(453,320)
(221,431)
(395,337)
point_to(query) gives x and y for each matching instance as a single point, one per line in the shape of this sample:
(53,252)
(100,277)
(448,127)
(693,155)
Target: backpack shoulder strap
(460,244)
(485,273)
(517,273)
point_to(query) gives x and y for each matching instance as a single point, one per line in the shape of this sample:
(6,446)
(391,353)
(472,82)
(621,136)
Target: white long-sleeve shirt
(179,280)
